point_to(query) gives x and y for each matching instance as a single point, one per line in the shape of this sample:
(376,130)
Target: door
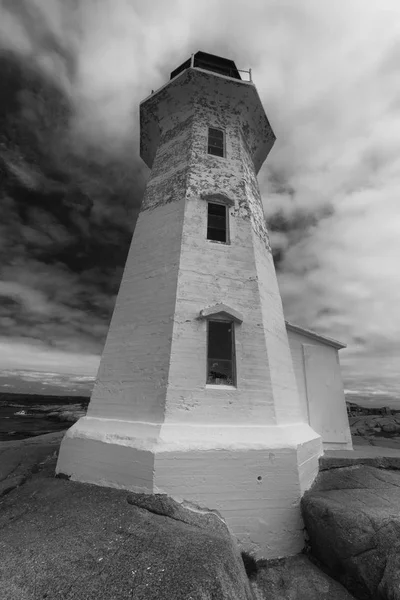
(325,396)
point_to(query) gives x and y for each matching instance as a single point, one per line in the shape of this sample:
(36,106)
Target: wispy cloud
(41,382)
(327,76)
(33,355)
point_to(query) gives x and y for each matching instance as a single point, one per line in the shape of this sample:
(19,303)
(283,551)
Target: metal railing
(229,72)
(191,63)
(248,73)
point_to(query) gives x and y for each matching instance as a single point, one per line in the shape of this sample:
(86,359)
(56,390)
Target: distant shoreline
(24,416)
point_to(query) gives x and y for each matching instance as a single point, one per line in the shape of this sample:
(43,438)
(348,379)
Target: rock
(296,578)
(352,516)
(360,431)
(61,539)
(381,458)
(223,562)
(11,482)
(391,427)
(375,424)
(391,576)
(19,459)
(186,512)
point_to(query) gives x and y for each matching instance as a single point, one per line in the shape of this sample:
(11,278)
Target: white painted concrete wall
(242,274)
(320,386)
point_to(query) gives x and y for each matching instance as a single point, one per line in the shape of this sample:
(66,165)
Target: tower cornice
(239,81)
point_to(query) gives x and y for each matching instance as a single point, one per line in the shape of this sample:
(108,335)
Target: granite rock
(296,578)
(63,539)
(352,516)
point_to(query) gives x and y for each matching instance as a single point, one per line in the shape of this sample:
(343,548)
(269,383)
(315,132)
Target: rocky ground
(61,539)
(382,431)
(352,519)
(375,424)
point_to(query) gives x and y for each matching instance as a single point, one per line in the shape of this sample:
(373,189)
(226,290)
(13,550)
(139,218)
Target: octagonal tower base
(254,476)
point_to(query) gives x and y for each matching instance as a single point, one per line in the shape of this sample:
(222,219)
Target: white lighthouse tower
(196,395)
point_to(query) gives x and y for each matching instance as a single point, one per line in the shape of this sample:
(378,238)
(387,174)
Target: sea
(29,415)
(26,415)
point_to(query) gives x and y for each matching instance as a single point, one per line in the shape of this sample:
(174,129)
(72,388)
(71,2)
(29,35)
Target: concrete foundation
(254,476)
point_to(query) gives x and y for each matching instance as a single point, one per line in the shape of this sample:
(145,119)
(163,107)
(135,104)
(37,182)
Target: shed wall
(319,381)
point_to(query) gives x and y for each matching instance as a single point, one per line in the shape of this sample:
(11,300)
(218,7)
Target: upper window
(220,353)
(215,142)
(217,222)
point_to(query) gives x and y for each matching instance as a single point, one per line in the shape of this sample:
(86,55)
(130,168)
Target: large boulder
(63,539)
(21,458)
(210,565)
(295,578)
(368,424)
(352,516)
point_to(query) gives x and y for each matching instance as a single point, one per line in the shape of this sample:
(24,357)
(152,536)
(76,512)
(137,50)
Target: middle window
(217,222)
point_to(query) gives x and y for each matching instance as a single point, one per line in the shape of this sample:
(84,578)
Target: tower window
(220,353)
(217,222)
(215,142)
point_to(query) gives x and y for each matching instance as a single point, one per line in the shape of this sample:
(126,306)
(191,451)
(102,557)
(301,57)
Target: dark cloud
(73,74)
(68,214)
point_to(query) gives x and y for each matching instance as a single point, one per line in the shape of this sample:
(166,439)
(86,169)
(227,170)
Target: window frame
(227,231)
(230,322)
(223,142)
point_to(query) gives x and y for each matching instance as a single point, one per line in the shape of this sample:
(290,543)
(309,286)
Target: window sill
(211,386)
(216,156)
(218,242)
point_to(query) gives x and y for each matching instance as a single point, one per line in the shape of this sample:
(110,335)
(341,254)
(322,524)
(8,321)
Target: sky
(71,179)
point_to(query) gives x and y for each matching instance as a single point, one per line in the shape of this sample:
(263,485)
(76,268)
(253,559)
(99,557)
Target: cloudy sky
(71,180)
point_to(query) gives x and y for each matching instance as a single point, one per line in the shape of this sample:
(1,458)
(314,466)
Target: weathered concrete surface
(295,578)
(352,516)
(227,95)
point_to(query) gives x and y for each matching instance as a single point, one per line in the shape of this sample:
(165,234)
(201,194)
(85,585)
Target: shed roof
(316,336)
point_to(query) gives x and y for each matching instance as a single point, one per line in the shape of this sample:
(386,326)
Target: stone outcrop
(374,424)
(217,570)
(295,578)
(20,459)
(62,539)
(352,516)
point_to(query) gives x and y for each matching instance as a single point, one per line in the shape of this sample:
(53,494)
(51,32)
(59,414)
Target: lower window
(220,353)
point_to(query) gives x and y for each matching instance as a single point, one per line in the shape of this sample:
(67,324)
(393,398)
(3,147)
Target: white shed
(319,381)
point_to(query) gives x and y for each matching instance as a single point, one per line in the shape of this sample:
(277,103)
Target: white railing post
(192,61)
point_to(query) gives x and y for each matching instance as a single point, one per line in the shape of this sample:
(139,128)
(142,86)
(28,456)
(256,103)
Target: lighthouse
(196,394)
